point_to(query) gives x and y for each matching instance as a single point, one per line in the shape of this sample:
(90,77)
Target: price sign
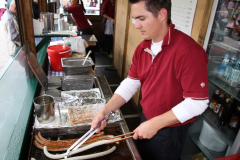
(182,14)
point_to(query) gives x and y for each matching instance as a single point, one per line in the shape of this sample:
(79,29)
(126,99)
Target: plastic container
(55,54)
(233,157)
(210,139)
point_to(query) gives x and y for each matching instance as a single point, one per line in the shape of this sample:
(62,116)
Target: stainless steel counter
(102,84)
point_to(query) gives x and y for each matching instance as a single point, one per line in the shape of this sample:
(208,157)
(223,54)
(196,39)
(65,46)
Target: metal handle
(111,113)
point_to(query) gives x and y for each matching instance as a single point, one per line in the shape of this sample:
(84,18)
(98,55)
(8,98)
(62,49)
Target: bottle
(226,111)
(235,119)
(234,77)
(237,128)
(214,99)
(223,65)
(229,67)
(220,101)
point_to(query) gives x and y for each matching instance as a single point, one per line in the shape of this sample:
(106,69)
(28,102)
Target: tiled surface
(102,59)
(111,75)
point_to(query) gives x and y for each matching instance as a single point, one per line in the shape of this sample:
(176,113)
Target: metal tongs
(87,135)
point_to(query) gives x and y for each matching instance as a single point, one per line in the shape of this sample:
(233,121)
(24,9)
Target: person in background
(2,8)
(11,28)
(77,11)
(93,3)
(231,4)
(108,12)
(171,69)
(36,13)
(81,2)
(223,18)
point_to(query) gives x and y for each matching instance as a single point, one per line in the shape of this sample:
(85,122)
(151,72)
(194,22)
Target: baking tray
(77,82)
(91,99)
(123,151)
(63,121)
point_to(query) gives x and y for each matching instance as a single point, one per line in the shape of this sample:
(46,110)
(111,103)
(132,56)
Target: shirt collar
(166,39)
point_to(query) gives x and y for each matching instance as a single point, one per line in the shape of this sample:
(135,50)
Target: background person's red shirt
(108,8)
(78,15)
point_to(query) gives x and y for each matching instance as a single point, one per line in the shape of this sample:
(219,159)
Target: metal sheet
(37,70)
(77,62)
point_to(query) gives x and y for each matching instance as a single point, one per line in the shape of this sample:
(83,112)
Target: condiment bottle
(219,103)
(214,99)
(235,118)
(225,112)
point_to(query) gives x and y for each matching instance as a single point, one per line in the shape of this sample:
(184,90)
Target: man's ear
(162,14)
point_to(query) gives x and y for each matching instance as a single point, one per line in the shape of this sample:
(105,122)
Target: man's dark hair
(154,6)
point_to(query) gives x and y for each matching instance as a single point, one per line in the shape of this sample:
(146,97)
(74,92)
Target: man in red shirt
(171,68)
(77,11)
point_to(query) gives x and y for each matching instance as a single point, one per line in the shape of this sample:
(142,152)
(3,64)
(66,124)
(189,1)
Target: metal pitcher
(44,108)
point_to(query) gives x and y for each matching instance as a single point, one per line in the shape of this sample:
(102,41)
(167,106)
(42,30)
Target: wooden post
(25,20)
(42,5)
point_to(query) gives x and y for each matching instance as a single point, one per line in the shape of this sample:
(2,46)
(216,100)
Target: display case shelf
(225,86)
(227,45)
(207,152)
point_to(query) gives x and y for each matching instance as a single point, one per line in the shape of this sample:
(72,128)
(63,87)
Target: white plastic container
(210,139)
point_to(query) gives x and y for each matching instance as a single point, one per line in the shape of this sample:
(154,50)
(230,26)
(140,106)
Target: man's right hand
(97,119)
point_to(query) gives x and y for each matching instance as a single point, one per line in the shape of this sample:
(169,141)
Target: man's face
(73,2)
(148,25)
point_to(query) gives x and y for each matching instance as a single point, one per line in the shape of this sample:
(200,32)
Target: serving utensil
(86,57)
(120,136)
(87,135)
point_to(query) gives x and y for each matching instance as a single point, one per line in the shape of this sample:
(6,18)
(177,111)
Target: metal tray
(123,149)
(77,82)
(73,66)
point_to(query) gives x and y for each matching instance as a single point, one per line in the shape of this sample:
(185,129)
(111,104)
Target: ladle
(87,57)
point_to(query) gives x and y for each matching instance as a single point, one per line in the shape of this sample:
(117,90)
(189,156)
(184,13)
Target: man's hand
(97,119)
(146,130)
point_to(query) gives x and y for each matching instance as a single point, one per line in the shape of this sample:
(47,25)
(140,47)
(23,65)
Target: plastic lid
(58,48)
(226,56)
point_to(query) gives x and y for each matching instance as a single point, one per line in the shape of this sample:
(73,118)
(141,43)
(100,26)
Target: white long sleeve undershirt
(184,111)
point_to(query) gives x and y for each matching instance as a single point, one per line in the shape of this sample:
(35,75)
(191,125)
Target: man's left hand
(146,130)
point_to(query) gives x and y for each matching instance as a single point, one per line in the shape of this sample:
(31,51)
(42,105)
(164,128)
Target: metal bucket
(44,108)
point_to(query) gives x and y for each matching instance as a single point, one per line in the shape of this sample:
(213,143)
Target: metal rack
(209,153)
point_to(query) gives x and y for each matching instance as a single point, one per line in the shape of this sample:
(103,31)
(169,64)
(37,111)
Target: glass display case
(222,45)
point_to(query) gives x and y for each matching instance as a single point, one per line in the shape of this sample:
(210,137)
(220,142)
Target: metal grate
(207,152)
(214,153)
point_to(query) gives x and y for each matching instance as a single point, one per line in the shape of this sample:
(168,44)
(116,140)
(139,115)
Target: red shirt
(177,72)
(79,17)
(108,8)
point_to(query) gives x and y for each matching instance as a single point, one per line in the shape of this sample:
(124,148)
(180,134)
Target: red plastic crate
(233,157)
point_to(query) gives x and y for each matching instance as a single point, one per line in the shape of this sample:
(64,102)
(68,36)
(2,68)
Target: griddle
(122,150)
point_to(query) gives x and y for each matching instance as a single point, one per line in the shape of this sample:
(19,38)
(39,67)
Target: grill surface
(122,151)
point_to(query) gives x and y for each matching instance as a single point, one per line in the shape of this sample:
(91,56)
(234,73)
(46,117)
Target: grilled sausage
(84,148)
